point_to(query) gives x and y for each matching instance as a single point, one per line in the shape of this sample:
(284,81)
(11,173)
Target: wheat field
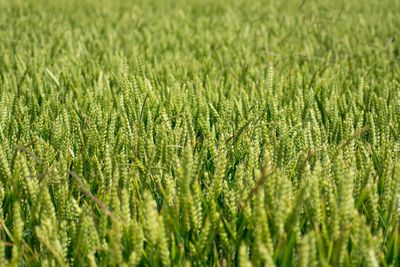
(200,133)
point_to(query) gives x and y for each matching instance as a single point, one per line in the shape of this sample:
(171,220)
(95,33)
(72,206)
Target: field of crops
(200,133)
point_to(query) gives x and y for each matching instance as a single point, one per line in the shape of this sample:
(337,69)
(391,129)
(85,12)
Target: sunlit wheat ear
(163,243)
(197,209)
(243,257)
(4,165)
(151,225)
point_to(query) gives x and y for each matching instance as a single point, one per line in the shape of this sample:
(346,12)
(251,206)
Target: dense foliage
(204,133)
